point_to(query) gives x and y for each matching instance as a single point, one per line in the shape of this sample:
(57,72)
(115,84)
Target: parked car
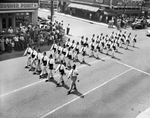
(148,32)
(139,24)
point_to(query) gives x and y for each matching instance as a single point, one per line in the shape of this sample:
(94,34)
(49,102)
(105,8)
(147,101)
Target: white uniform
(73,76)
(28,52)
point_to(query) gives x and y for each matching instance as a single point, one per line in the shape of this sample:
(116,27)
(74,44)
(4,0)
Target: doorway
(6,24)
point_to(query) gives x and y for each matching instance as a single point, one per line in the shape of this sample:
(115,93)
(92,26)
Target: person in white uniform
(28,52)
(73,77)
(45,60)
(62,72)
(51,65)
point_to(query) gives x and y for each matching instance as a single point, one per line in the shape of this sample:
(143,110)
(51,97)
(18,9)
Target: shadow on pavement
(52,81)
(119,52)
(76,92)
(116,58)
(85,63)
(64,85)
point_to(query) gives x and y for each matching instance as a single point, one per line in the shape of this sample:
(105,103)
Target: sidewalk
(82,19)
(144,114)
(16,54)
(77,18)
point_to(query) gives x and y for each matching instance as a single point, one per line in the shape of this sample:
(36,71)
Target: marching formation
(63,58)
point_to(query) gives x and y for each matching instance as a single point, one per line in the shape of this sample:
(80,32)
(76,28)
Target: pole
(52,10)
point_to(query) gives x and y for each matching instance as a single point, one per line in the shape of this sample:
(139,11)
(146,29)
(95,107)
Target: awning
(84,7)
(109,13)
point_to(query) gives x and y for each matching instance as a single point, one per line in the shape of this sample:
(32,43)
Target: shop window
(9,22)
(4,23)
(23,18)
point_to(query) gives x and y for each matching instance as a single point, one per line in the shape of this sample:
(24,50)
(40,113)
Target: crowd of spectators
(38,35)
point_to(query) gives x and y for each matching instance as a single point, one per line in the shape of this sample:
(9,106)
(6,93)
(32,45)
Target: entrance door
(6,24)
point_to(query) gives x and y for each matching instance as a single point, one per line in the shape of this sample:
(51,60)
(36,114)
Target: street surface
(108,88)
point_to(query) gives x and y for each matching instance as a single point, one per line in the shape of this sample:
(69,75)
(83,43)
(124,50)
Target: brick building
(14,12)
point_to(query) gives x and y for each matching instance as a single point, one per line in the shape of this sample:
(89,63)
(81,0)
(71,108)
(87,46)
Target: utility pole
(52,10)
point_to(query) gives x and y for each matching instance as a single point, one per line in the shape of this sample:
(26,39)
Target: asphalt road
(108,88)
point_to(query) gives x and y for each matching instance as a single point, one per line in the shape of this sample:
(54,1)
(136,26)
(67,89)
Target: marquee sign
(18,6)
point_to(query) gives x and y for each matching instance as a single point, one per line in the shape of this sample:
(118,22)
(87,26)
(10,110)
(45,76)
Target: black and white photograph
(74,58)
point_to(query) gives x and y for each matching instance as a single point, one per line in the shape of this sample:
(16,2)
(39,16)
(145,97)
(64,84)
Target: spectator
(17,45)
(2,44)
(10,30)
(22,42)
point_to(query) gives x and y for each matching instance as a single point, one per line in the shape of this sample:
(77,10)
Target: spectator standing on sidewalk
(68,29)
(2,44)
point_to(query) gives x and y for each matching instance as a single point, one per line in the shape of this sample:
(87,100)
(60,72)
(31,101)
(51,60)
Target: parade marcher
(92,47)
(82,41)
(102,45)
(98,39)
(69,55)
(134,40)
(93,37)
(113,49)
(33,59)
(28,52)
(76,52)
(64,52)
(83,52)
(127,42)
(68,43)
(86,42)
(39,60)
(59,51)
(108,44)
(97,49)
(68,29)
(45,60)
(73,77)
(62,72)
(72,46)
(54,48)
(51,65)
(124,37)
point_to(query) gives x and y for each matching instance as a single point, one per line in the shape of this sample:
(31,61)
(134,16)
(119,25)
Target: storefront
(21,12)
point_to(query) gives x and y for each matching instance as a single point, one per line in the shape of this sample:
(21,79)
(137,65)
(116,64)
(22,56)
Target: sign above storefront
(7,6)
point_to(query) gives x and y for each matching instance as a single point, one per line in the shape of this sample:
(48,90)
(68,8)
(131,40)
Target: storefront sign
(99,1)
(18,6)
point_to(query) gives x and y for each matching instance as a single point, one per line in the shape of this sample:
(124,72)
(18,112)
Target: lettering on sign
(99,1)
(18,5)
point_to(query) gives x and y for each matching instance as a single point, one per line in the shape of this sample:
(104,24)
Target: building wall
(9,9)
(128,3)
(20,1)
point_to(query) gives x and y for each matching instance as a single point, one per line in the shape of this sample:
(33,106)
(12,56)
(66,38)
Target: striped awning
(84,7)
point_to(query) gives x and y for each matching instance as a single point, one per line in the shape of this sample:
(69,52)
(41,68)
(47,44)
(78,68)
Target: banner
(18,6)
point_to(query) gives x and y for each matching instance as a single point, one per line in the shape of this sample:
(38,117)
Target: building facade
(47,4)
(103,10)
(14,12)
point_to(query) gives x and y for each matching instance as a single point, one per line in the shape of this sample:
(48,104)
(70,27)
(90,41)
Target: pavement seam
(44,80)
(97,87)
(130,67)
